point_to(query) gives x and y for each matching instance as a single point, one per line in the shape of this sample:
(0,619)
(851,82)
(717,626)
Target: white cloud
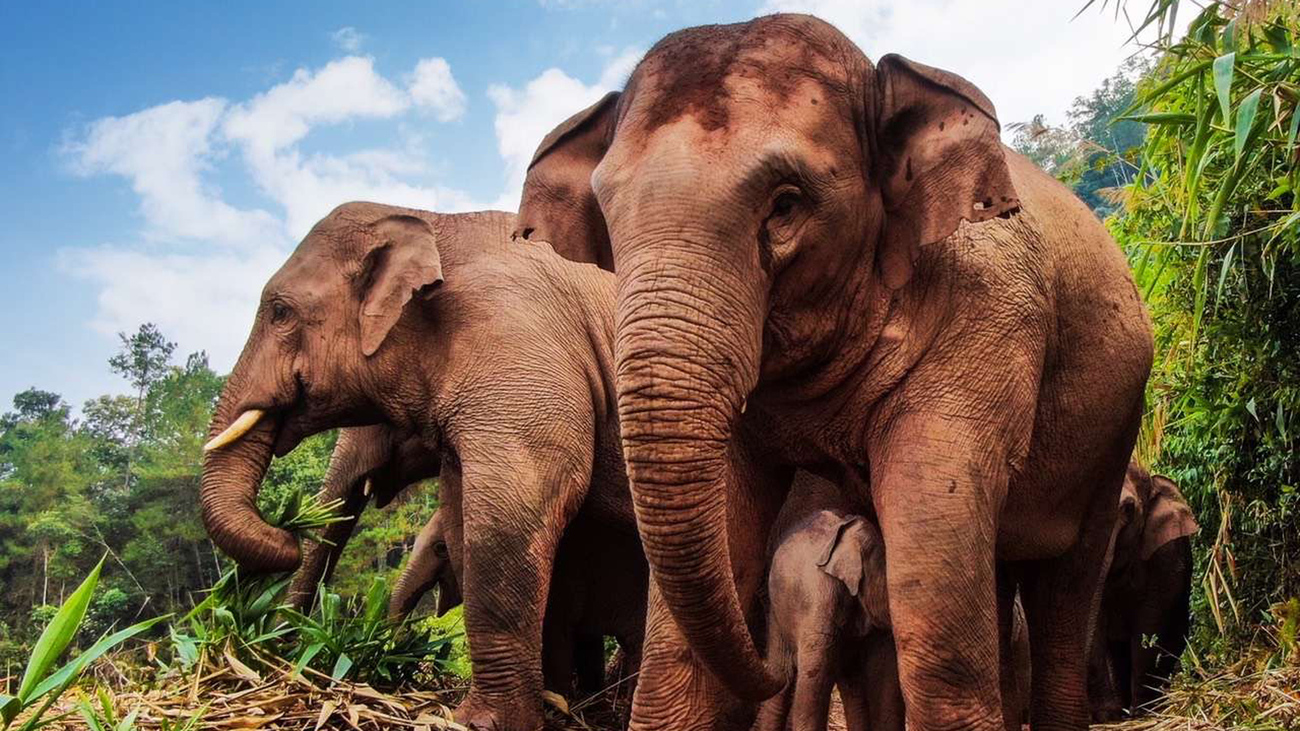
(433,86)
(348,38)
(524,116)
(203,301)
(203,261)
(164,151)
(346,89)
(1028,57)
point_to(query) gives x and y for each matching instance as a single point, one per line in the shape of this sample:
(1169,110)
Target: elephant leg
(514,514)
(1062,598)
(1103,694)
(882,693)
(937,493)
(1161,622)
(674,691)
(559,651)
(775,711)
(589,663)
(813,678)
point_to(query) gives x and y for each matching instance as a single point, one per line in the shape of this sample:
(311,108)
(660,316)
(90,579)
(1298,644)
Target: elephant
(847,250)
(829,619)
(368,461)
(497,355)
(584,604)
(1145,608)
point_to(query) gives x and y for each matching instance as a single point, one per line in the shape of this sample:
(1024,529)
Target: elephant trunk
(685,363)
(232,474)
(349,465)
(430,565)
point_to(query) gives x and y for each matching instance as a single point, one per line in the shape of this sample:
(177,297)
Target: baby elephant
(1143,623)
(828,624)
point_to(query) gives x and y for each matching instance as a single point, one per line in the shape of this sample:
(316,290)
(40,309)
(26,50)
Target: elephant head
(855,555)
(431,564)
(367,460)
(557,205)
(331,337)
(767,190)
(1152,514)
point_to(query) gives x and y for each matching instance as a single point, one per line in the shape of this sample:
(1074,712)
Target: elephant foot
(479,713)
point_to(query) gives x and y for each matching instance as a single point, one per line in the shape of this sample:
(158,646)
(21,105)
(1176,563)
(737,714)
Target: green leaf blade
(1246,121)
(58,634)
(1224,67)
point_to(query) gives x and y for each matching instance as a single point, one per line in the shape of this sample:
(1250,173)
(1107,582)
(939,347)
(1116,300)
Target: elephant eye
(785,201)
(280,312)
(440,549)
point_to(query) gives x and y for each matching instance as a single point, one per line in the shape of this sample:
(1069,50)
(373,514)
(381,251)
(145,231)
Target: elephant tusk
(237,429)
(366,488)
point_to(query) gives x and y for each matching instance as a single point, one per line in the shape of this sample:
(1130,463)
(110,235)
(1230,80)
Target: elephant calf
(1144,619)
(829,625)
(829,620)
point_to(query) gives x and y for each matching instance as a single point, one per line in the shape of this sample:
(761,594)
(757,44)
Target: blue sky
(161,163)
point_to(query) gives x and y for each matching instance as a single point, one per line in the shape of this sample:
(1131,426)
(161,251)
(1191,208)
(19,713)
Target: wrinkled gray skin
(1145,611)
(829,625)
(846,249)
(497,354)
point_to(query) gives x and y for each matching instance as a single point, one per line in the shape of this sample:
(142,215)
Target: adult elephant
(786,224)
(498,355)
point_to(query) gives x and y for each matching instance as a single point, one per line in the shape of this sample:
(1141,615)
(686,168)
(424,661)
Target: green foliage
(1212,228)
(41,685)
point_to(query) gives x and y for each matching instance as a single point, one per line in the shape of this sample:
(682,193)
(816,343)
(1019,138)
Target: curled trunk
(232,475)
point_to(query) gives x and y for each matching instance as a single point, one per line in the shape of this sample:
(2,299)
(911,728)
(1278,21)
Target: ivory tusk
(365,489)
(237,429)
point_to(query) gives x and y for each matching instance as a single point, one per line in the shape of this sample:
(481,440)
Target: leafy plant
(362,643)
(43,685)
(103,717)
(1212,228)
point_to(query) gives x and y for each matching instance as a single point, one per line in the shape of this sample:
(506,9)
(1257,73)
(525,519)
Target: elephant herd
(787,375)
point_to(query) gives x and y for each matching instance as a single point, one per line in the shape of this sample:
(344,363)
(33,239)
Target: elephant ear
(842,556)
(593,118)
(1168,517)
(937,157)
(557,204)
(404,261)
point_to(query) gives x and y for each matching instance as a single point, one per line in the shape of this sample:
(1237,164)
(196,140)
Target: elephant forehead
(700,71)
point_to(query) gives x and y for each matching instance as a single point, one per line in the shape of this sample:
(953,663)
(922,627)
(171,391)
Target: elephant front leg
(937,491)
(510,542)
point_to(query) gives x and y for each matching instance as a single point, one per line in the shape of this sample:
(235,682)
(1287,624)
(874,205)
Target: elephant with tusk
(494,357)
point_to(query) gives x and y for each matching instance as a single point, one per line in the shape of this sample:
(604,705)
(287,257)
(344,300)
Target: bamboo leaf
(54,640)
(1223,274)
(1165,118)
(1223,70)
(1295,127)
(69,672)
(1246,121)
(1198,284)
(1252,408)
(341,667)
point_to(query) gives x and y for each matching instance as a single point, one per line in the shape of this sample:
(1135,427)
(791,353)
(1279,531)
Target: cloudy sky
(160,164)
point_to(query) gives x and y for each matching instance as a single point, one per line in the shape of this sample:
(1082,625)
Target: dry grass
(226,694)
(229,695)
(1236,699)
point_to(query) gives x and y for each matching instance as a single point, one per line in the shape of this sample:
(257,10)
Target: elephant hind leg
(1062,598)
